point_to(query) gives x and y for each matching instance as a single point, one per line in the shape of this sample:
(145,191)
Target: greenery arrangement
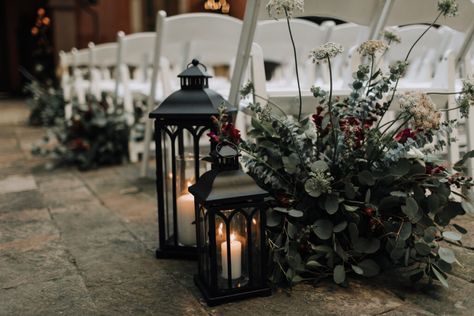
(46,103)
(353,194)
(96,134)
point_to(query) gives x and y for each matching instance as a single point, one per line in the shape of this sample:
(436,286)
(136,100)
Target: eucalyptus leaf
(319,165)
(460,229)
(430,234)
(340,227)
(439,275)
(422,249)
(401,168)
(349,190)
(331,204)
(313,264)
(446,254)
(370,267)
(339,274)
(405,230)
(295,213)
(357,269)
(273,218)
(365,177)
(452,236)
(323,228)
(350,208)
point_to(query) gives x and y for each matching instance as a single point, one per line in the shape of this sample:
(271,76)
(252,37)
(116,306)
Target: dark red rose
(369,211)
(213,137)
(404,135)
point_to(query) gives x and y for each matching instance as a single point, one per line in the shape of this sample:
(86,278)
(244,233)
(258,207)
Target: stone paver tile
(22,267)
(323,299)
(19,201)
(66,295)
(53,183)
(17,183)
(157,294)
(455,300)
(8,159)
(17,231)
(66,196)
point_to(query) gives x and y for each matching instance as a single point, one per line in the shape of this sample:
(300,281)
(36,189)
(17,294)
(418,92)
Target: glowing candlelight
(235,258)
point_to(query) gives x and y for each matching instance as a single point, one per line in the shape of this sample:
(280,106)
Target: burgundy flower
(231,132)
(404,135)
(213,137)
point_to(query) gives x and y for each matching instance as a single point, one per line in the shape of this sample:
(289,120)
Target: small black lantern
(230,216)
(181,122)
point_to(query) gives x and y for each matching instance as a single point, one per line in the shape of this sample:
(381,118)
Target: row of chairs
(146,64)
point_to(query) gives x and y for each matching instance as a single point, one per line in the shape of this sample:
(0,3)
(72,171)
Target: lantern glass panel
(255,246)
(203,251)
(178,174)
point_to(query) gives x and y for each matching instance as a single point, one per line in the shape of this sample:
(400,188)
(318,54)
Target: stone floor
(82,243)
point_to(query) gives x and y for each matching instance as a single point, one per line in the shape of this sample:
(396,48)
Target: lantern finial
(226,157)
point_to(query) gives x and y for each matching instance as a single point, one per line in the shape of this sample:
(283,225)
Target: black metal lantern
(230,213)
(181,121)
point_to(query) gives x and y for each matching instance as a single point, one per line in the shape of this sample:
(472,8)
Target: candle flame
(232,237)
(188,184)
(254,221)
(220,230)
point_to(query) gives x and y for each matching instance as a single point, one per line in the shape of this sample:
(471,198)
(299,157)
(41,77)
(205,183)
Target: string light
(215,5)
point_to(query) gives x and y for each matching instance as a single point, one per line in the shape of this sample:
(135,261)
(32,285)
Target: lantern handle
(195,63)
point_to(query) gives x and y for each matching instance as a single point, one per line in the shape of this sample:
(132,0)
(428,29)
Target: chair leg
(146,147)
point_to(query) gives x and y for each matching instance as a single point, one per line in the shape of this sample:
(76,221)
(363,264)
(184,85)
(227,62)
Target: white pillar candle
(186,228)
(235,258)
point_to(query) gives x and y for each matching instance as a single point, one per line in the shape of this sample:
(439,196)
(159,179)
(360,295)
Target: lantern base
(185,254)
(213,300)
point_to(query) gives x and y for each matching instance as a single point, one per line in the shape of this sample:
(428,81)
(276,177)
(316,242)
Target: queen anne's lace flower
(318,183)
(448,7)
(328,50)
(278,8)
(370,47)
(422,108)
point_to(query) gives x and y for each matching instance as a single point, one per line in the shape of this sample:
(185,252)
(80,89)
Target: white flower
(277,8)
(448,7)
(415,153)
(327,50)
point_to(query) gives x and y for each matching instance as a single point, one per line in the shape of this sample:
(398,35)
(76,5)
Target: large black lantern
(232,249)
(181,122)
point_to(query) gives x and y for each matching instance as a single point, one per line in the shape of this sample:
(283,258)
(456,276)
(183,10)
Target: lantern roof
(194,101)
(226,182)
(191,105)
(196,70)
(227,186)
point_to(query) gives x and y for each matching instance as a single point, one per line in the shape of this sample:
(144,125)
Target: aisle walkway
(82,243)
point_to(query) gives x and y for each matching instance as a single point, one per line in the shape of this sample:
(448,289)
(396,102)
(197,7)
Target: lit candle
(235,258)
(186,217)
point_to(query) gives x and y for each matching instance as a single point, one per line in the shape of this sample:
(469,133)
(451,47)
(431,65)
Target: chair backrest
(104,55)
(136,49)
(81,57)
(273,37)
(348,35)
(431,41)
(211,38)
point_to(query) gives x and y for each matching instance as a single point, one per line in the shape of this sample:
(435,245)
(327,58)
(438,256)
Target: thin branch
(296,65)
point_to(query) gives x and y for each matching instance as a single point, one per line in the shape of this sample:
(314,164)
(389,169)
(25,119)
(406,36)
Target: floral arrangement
(46,103)
(354,194)
(93,136)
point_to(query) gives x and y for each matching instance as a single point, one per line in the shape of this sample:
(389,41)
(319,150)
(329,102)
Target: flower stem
(372,57)
(296,65)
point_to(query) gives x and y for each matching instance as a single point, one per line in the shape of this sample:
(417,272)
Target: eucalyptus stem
(333,126)
(444,93)
(267,165)
(372,57)
(296,65)
(272,103)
